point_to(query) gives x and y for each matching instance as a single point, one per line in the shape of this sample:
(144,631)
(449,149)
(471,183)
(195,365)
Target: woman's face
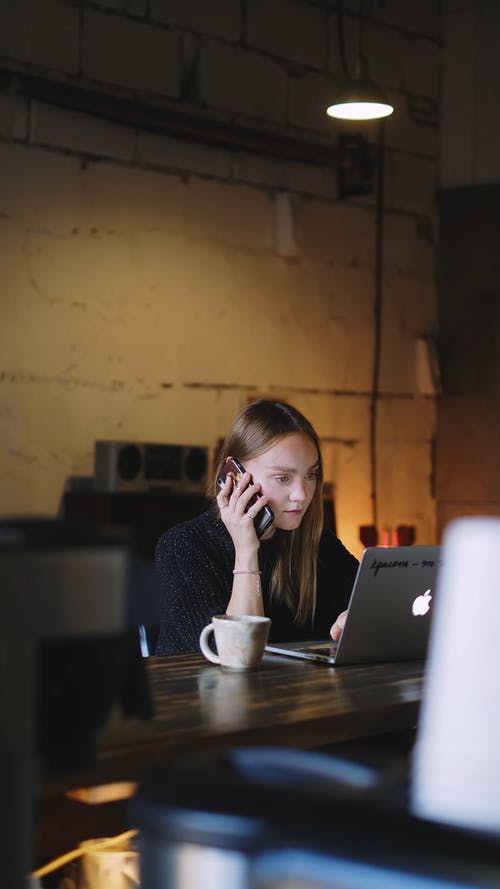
(288,475)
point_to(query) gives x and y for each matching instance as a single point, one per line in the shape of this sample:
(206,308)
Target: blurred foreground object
(71,603)
(456,764)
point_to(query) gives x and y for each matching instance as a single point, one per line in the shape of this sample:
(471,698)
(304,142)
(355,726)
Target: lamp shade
(359,98)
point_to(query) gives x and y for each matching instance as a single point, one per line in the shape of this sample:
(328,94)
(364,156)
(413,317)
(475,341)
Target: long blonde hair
(256,429)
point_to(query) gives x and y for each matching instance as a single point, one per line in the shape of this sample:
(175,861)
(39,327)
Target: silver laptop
(389,610)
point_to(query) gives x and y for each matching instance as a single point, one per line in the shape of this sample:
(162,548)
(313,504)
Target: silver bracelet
(258,590)
(243,571)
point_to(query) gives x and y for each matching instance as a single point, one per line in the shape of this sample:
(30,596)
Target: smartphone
(265,516)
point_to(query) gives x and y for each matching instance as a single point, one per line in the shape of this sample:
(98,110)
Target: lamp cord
(341,35)
(379,243)
(361,27)
(341,39)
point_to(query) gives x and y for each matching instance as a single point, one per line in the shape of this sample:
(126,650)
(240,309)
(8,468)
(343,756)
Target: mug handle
(210,656)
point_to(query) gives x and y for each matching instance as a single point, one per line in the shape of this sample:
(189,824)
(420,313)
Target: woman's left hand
(338,626)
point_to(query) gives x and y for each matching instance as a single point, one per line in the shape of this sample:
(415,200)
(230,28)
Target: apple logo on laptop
(422,604)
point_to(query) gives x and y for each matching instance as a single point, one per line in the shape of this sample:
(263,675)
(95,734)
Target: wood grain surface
(199,706)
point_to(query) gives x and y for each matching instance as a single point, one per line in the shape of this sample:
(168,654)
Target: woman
(297,573)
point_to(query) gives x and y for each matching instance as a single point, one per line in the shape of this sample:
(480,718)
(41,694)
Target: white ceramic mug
(240,640)
(115,866)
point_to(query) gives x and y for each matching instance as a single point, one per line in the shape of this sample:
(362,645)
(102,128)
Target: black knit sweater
(194,562)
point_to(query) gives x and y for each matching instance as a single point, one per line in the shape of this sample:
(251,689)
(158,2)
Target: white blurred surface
(456,764)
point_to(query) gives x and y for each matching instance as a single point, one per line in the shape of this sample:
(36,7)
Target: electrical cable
(379,244)
(361,28)
(341,39)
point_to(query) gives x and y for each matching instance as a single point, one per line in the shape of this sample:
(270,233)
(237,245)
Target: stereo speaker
(132,466)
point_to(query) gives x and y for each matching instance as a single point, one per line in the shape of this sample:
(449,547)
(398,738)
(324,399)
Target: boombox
(129,466)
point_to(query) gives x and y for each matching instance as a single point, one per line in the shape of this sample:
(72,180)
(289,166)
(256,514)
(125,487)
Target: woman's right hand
(338,626)
(232,501)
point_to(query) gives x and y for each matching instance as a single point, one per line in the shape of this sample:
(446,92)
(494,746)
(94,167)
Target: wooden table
(199,706)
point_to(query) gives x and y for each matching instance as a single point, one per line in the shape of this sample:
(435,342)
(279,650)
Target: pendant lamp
(358,98)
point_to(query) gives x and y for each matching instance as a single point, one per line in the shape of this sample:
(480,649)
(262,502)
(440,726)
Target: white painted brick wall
(291,29)
(396,60)
(81,132)
(310,94)
(42,33)
(383,48)
(13,116)
(260,170)
(116,198)
(219,18)
(152,285)
(398,358)
(315,180)
(406,132)
(285,242)
(138,8)
(243,81)
(412,303)
(407,253)
(410,183)
(116,5)
(131,54)
(421,66)
(31,191)
(237,216)
(341,234)
(416,18)
(181,154)
(306,178)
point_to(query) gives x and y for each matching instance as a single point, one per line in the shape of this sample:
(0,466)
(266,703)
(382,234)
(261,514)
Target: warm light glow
(360,110)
